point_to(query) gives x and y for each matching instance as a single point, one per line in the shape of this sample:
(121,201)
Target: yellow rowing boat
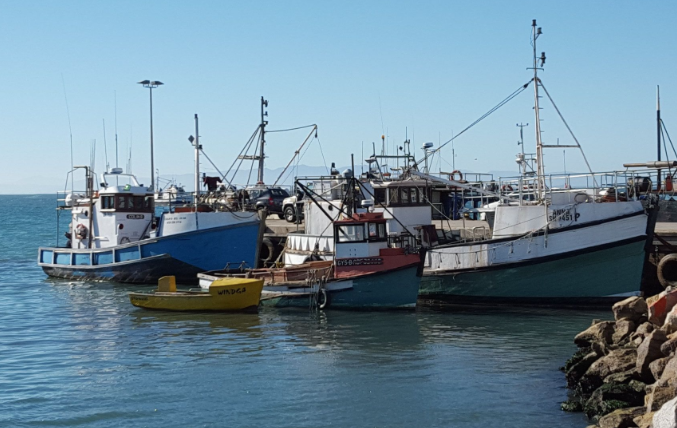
(225,294)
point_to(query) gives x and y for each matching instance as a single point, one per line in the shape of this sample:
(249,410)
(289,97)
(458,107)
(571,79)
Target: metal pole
(152,163)
(264,103)
(539,144)
(658,132)
(197,161)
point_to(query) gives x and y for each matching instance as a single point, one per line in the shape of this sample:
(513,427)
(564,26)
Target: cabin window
(122,203)
(413,195)
(394,198)
(380,196)
(107,203)
(377,231)
(350,233)
(131,203)
(404,195)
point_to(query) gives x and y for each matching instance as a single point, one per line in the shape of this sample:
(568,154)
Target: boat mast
(264,103)
(197,161)
(536,31)
(658,133)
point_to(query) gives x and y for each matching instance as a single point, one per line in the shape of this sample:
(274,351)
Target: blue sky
(357,69)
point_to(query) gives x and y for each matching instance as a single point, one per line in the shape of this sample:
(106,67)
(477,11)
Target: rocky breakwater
(624,373)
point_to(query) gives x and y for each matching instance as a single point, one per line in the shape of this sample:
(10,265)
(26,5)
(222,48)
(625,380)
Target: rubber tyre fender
(662,266)
(322,298)
(269,250)
(312,258)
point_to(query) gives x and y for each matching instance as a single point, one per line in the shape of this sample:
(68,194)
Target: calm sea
(78,354)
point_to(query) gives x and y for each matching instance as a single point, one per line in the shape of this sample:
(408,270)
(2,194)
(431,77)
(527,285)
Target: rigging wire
(215,167)
(669,139)
(570,132)
(105,146)
(251,167)
(322,153)
(245,148)
(484,116)
(292,129)
(70,129)
(310,134)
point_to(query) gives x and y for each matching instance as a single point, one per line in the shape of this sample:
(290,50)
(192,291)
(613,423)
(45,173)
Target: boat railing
(612,186)
(482,236)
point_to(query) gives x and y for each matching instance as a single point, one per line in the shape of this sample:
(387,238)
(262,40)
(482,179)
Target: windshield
(350,233)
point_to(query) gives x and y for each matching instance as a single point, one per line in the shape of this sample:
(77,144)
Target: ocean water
(78,354)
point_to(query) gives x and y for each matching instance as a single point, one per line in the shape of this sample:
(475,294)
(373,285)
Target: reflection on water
(78,353)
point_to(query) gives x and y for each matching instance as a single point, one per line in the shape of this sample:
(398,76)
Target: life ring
(322,298)
(453,174)
(506,188)
(668,265)
(81,231)
(668,183)
(581,198)
(267,250)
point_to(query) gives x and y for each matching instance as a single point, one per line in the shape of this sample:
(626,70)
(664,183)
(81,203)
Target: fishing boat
(224,294)
(114,235)
(370,269)
(550,244)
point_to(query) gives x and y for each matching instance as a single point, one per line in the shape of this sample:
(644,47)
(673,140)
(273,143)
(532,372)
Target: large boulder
(670,324)
(666,417)
(624,377)
(669,375)
(659,395)
(577,369)
(650,350)
(612,396)
(644,421)
(669,346)
(633,308)
(641,333)
(657,366)
(617,361)
(660,305)
(623,329)
(621,418)
(601,332)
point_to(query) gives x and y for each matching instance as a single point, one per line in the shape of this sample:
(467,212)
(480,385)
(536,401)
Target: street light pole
(151,84)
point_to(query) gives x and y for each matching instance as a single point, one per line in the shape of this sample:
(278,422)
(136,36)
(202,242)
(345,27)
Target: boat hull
(183,255)
(590,277)
(235,297)
(395,289)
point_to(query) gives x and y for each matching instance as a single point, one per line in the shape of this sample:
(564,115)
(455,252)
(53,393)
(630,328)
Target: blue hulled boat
(114,235)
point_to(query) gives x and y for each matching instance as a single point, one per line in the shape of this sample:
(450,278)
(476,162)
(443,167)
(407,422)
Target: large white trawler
(557,246)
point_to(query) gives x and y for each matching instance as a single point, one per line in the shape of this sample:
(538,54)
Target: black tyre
(289,214)
(322,299)
(267,251)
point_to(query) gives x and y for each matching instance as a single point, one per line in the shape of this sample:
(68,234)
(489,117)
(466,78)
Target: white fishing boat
(113,234)
(575,246)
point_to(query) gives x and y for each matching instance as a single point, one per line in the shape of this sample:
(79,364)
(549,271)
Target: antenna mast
(264,104)
(115,96)
(535,32)
(658,125)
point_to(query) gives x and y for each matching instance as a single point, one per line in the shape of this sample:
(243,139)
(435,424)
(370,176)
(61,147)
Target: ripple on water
(78,354)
